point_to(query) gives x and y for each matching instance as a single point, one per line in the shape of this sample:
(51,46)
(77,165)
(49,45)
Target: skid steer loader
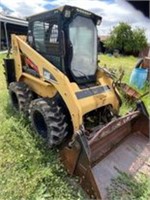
(53,77)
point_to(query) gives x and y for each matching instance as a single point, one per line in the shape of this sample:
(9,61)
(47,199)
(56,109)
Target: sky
(112,11)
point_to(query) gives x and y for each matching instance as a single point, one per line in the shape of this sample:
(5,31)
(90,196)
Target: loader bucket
(121,146)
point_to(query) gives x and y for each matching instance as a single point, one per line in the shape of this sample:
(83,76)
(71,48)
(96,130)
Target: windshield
(83,37)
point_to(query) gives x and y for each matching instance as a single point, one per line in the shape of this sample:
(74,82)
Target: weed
(29,171)
(127,187)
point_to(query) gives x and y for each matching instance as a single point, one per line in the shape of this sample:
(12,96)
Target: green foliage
(127,63)
(139,40)
(126,40)
(126,187)
(28,170)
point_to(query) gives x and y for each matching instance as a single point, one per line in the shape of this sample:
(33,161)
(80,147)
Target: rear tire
(20,96)
(48,121)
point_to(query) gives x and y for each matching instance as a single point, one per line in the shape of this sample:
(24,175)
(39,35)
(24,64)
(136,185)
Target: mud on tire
(20,96)
(48,121)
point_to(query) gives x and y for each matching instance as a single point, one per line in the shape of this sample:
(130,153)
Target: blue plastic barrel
(138,77)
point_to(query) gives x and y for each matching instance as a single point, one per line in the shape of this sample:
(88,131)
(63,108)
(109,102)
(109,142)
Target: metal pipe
(6,34)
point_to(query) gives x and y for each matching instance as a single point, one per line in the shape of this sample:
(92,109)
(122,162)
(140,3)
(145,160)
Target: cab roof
(62,10)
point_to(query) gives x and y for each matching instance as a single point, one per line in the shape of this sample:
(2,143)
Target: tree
(139,40)
(126,40)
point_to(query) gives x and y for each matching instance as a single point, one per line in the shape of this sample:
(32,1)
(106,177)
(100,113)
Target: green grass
(29,171)
(126,187)
(127,64)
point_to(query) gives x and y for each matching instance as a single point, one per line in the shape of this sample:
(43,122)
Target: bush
(126,40)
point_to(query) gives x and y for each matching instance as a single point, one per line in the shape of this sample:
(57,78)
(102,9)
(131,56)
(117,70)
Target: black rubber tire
(48,121)
(21,96)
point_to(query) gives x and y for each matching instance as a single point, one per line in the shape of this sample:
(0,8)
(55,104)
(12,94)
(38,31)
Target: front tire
(48,121)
